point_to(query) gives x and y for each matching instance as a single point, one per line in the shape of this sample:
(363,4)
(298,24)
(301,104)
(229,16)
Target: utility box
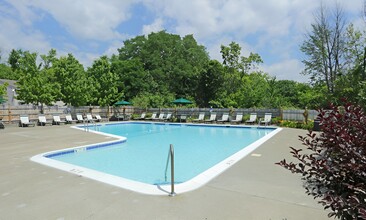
(316,125)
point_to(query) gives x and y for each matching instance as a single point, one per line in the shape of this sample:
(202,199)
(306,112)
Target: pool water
(137,159)
(143,157)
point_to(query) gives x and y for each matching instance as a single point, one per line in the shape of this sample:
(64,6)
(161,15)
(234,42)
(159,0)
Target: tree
(237,70)
(351,85)
(144,100)
(210,83)
(14,58)
(36,85)
(76,88)
(172,63)
(334,164)
(253,92)
(231,56)
(105,89)
(7,73)
(133,79)
(3,93)
(49,59)
(325,48)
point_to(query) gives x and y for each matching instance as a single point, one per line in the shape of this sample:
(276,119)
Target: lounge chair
(69,119)
(122,117)
(168,117)
(143,115)
(42,121)
(2,126)
(24,121)
(238,119)
(212,118)
(201,117)
(57,120)
(153,116)
(90,118)
(224,118)
(79,118)
(252,118)
(160,118)
(182,118)
(98,118)
(267,119)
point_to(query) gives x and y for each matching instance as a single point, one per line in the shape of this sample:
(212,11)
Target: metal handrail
(86,125)
(171,157)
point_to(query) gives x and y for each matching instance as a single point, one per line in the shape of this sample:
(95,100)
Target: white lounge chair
(168,117)
(57,120)
(252,118)
(153,116)
(42,121)
(69,119)
(201,117)
(267,119)
(79,118)
(212,118)
(98,118)
(224,118)
(24,121)
(90,118)
(238,119)
(160,118)
(143,115)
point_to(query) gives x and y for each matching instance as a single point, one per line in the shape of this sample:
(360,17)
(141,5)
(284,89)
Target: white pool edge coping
(144,188)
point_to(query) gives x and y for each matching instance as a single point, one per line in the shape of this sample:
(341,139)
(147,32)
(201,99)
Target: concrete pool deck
(253,188)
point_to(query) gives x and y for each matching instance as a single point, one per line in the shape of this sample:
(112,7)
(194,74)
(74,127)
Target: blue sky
(90,28)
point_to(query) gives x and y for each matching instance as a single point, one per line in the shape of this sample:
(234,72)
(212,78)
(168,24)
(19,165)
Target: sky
(275,29)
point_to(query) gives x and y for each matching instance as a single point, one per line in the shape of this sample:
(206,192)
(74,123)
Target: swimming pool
(138,160)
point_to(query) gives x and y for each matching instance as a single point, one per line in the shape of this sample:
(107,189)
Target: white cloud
(89,19)
(156,26)
(18,37)
(286,70)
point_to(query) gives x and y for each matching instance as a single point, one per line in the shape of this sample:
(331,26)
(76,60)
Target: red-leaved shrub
(334,164)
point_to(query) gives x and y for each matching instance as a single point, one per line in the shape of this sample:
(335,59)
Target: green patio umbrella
(181,101)
(123,102)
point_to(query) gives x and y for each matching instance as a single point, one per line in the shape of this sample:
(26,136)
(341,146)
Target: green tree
(133,79)
(7,73)
(231,61)
(172,62)
(253,90)
(237,69)
(36,85)
(145,100)
(76,88)
(105,89)
(210,83)
(14,58)
(3,93)
(351,85)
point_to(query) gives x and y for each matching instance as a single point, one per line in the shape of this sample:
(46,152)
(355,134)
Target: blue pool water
(143,157)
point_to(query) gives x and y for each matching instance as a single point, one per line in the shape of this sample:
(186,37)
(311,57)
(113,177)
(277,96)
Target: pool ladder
(171,159)
(86,125)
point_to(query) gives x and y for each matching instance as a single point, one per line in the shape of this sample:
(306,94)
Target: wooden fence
(11,114)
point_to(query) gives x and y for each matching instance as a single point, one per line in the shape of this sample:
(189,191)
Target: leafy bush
(295,124)
(335,166)
(276,120)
